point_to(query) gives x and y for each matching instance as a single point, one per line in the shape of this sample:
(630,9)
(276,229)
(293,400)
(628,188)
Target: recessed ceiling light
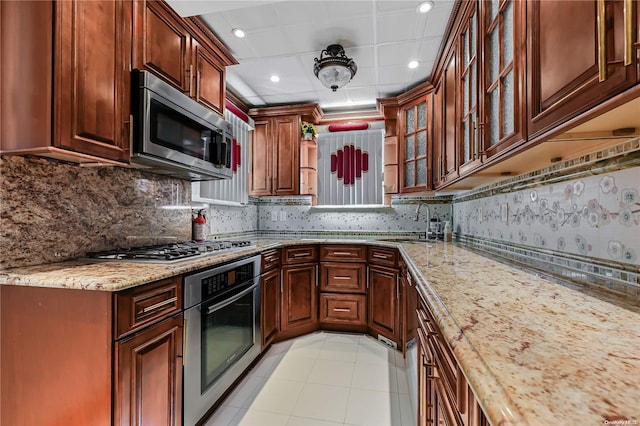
(425,6)
(275,78)
(413,64)
(238,32)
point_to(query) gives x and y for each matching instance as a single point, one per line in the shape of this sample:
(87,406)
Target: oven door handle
(240,295)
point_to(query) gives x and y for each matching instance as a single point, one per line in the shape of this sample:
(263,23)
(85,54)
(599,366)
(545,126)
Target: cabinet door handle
(281,284)
(184,341)
(602,41)
(197,88)
(341,278)
(191,80)
(380,256)
(301,254)
(341,310)
(316,275)
(159,304)
(398,287)
(628,32)
(131,132)
(367,277)
(341,253)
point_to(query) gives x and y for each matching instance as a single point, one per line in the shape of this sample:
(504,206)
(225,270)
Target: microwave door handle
(240,295)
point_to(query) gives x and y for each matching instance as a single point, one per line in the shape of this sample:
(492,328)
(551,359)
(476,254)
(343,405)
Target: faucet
(415,217)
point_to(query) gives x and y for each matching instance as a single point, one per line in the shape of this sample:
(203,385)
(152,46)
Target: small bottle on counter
(447,231)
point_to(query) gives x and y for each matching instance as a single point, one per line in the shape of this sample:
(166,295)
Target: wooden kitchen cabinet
(343,303)
(415,145)
(182,52)
(299,302)
(275,156)
(503,112)
(383,302)
(101,358)
(299,298)
(270,297)
(445,159)
(162,43)
(149,376)
(76,57)
(444,396)
(587,67)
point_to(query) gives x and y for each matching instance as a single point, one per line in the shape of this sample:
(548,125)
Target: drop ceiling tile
(429,49)
(259,17)
(395,6)
(398,53)
(437,20)
(394,74)
(398,27)
(293,13)
(340,9)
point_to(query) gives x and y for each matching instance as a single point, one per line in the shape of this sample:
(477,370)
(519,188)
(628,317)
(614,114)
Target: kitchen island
(534,351)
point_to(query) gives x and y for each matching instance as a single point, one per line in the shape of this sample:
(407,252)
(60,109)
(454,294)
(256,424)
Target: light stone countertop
(535,352)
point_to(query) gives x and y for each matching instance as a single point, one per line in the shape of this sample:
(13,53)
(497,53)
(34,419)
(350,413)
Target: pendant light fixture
(334,69)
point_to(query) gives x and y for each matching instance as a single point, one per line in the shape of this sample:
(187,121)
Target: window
(234,190)
(350,168)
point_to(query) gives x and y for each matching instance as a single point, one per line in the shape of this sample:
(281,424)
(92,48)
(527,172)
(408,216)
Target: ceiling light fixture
(425,6)
(238,32)
(334,69)
(275,78)
(413,64)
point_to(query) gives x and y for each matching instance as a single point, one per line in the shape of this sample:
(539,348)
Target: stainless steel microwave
(174,135)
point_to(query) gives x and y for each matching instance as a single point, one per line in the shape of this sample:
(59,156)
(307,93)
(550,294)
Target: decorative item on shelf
(308,130)
(334,69)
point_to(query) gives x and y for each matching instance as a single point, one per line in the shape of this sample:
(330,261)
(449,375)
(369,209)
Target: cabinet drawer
(343,253)
(343,308)
(270,259)
(342,277)
(146,304)
(299,254)
(383,256)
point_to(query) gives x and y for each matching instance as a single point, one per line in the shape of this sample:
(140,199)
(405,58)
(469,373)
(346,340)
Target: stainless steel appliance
(222,314)
(174,135)
(174,252)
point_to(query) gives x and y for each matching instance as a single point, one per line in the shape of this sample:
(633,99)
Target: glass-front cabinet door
(414,148)
(504,64)
(468,83)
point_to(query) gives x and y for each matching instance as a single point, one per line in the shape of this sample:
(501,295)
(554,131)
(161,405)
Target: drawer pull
(380,256)
(159,304)
(341,310)
(341,278)
(342,253)
(302,254)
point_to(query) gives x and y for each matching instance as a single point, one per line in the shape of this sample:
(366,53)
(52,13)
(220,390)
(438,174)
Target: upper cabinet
(76,58)
(503,43)
(80,110)
(415,142)
(276,150)
(274,156)
(163,45)
(183,52)
(580,53)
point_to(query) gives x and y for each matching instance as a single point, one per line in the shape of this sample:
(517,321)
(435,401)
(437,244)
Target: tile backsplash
(595,216)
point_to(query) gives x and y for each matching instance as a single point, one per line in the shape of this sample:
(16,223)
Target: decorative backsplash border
(605,275)
(618,157)
(341,235)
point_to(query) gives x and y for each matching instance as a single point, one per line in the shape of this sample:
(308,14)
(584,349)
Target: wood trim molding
(212,40)
(308,112)
(416,92)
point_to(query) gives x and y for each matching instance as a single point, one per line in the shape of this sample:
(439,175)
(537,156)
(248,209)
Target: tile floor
(322,379)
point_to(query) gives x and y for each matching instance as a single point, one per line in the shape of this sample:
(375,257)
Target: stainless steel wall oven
(222,314)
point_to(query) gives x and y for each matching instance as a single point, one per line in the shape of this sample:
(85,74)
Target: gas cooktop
(166,253)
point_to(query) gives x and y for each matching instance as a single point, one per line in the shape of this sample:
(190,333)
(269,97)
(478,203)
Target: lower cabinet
(299,307)
(383,302)
(343,309)
(149,376)
(444,396)
(270,306)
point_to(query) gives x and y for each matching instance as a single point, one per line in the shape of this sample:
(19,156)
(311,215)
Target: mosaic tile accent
(284,216)
(590,272)
(227,221)
(595,217)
